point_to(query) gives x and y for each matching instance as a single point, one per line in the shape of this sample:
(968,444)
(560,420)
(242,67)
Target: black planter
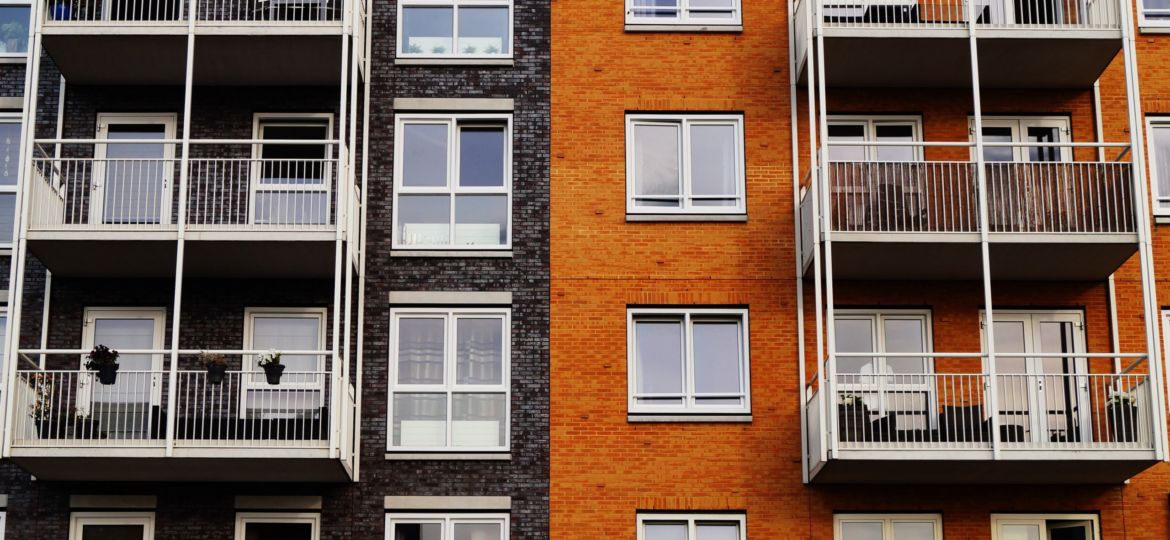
(68,429)
(216,373)
(853,422)
(1122,421)
(273,372)
(108,374)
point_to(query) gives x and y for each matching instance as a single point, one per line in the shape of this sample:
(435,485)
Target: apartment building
(938,221)
(357,189)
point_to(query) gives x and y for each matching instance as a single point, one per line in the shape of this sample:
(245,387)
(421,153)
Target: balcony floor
(188,465)
(978,467)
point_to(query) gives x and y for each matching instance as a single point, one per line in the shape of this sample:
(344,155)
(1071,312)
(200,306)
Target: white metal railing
(239,409)
(921,196)
(956,14)
(946,405)
(78,186)
(218,11)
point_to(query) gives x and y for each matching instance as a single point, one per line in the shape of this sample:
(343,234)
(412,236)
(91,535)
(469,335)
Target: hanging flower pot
(104,361)
(273,369)
(216,368)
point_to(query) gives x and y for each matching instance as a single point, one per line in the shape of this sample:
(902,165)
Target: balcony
(249,42)
(920,219)
(182,424)
(103,216)
(1073,426)
(925,43)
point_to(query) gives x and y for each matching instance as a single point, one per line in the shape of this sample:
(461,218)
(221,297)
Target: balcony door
(1044,527)
(132,181)
(291,183)
(1041,397)
(124,410)
(898,388)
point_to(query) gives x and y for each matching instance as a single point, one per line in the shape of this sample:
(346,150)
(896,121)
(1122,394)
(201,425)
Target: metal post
(339,237)
(800,354)
(826,232)
(357,414)
(815,193)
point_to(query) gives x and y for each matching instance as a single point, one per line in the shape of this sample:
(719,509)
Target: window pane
(1161,151)
(278,531)
(483,30)
(656,8)
(894,133)
(420,420)
(418,531)
(846,132)
(913,531)
(718,531)
(424,219)
(998,135)
(717,358)
(427,30)
(7,216)
(861,531)
(420,351)
(113,532)
(660,358)
(477,531)
(666,531)
(424,155)
(292,208)
(904,335)
(288,334)
(713,160)
(854,335)
(656,163)
(480,355)
(481,220)
(298,164)
(1019,532)
(9,152)
(478,419)
(1162,8)
(14,29)
(711,10)
(481,157)
(1040,134)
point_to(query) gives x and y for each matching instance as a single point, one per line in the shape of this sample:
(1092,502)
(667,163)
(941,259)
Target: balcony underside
(285,58)
(252,254)
(942,58)
(958,256)
(978,467)
(203,465)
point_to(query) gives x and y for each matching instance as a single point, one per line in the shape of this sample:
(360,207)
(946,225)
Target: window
(887,385)
(14,24)
(449,379)
(1159,141)
(1025,130)
(111,526)
(685,164)
(697,12)
(291,183)
(455,29)
(887,527)
(689,361)
(453,182)
(300,394)
(692,527)
(10,127)
(272,526)
(446,527)
(880,129)
(1155,12)
(1044,527)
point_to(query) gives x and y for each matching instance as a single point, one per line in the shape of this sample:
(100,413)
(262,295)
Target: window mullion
(449,370)
(689,362)
(684,168)
(455,29)
(452,176)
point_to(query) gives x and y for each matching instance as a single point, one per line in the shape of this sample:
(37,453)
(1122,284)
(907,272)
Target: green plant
(270,358)
(101,356)
(470,49)
(414,49)
(492,49)
(439,49)
(1121,398)
(212,359)
(852,400)
(42,391)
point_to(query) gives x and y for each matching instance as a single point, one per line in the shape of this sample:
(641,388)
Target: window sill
(455,254)
(13,59)
(1162,220)
(726,218)
(689,418)
(455,62)
(698,28)
(448,456)
(1154,28)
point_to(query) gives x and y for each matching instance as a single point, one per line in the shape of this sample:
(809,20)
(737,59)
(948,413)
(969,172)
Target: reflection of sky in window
(483,30)
(9,152)
(481,157)
(427,30)
(14,29)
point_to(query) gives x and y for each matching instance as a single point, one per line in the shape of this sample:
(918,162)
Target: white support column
(825,429)
(984,247)
(357,414)
(338,254)
(1143,226)
(826,217)
(793,65)
(20,246)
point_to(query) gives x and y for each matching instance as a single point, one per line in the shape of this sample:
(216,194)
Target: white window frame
(882,384)
(691,520)
(686,199)
(18,119)
(887,521)
(244,518)
(1151,23)
(456,5)
(870,123)
(28,25)
(687,317)
(997,519)
(1019,126)
(250,369)
(78,521)
(453,122)
(448,521)
(259,122)
(3,522)
(684,10)
(449,386)
(1161,202)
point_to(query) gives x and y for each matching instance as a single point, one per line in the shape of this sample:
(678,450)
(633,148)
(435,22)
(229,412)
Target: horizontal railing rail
(95,184)
(942,401)
(957,14)
(217,11)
